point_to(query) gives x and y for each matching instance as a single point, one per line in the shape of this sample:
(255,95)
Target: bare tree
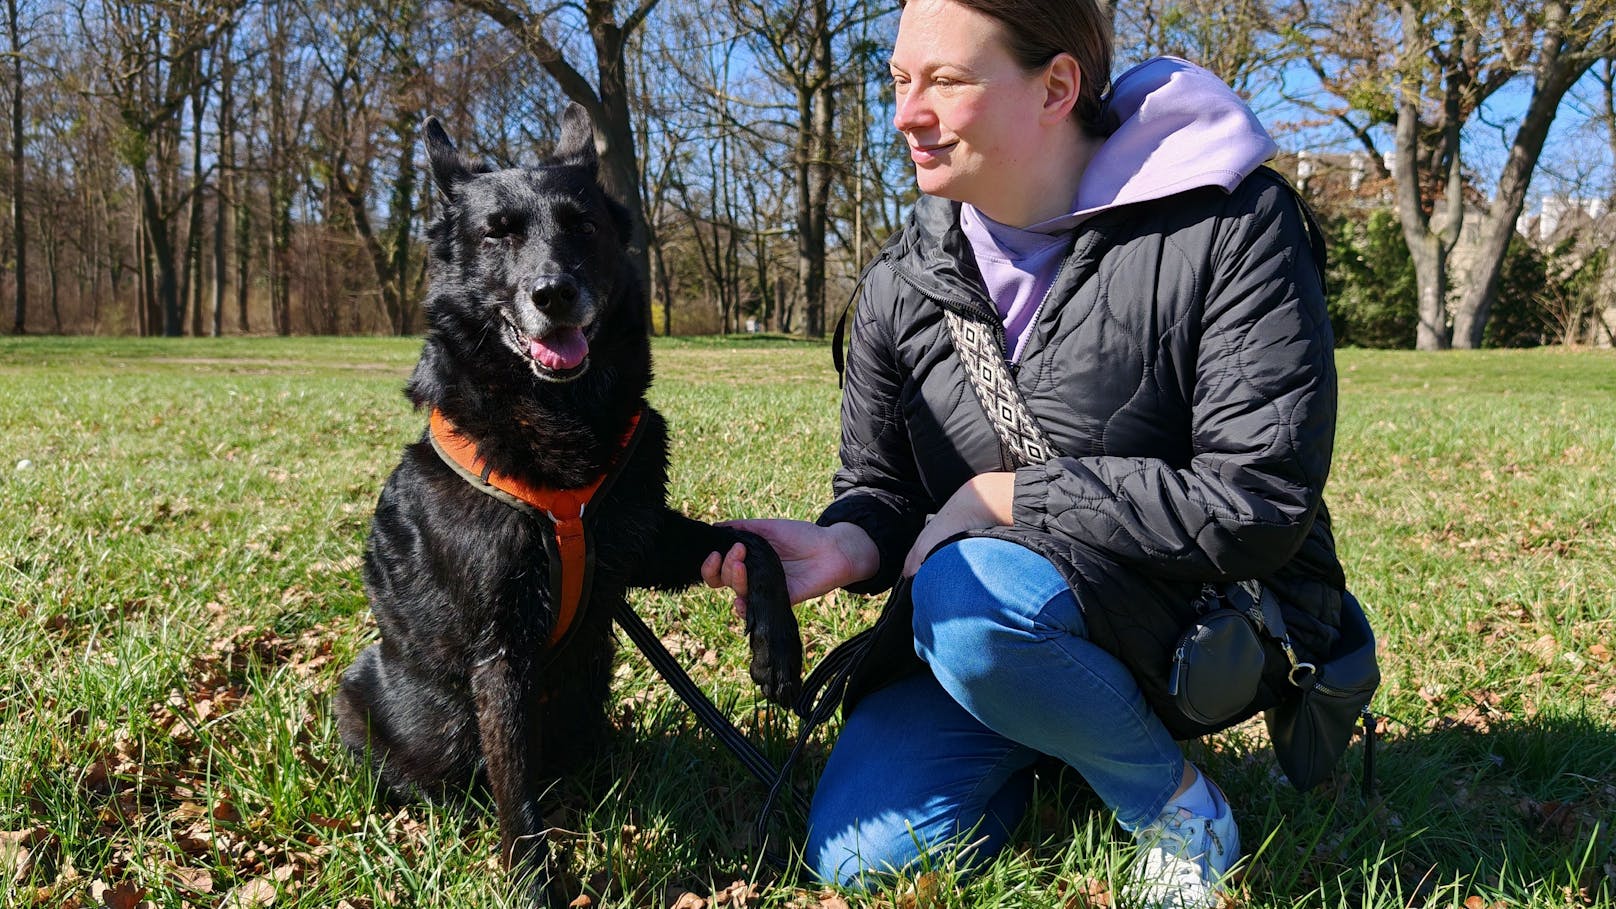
(1447,58)
(368,74)
(153,64)
(1237,39)
(1568,38)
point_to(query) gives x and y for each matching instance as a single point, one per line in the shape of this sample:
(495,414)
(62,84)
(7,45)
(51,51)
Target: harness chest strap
(572,561)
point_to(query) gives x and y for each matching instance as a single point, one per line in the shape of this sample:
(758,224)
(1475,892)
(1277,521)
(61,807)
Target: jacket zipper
(1015,364)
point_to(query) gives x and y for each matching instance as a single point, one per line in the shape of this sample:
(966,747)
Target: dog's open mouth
(561,354)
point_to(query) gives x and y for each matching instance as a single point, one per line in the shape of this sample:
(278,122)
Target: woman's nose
(910,110)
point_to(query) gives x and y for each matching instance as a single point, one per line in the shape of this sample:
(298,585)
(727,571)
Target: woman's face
(964,105)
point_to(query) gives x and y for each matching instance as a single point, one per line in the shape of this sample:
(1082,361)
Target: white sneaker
(1183,859)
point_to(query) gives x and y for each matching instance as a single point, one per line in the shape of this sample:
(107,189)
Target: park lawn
(181,524)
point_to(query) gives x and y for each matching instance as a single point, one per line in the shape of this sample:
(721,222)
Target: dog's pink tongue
(563,348)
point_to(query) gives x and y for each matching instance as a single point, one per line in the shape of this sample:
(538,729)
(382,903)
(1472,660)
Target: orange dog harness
(572,559)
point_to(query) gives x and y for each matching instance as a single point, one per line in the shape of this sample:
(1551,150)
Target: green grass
(179,589)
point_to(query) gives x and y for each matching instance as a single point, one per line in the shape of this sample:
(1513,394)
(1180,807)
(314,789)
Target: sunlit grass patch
(181,524)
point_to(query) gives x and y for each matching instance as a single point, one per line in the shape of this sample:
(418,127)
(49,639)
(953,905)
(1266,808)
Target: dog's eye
(586,227)
(500,229)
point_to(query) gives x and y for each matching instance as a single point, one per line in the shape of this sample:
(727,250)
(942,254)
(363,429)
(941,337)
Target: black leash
(689,692)
(820,698)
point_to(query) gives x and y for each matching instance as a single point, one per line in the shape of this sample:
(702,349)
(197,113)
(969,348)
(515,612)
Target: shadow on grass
(1517,810)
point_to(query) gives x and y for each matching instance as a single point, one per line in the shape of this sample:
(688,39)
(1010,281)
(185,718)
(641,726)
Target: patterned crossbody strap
(983,359)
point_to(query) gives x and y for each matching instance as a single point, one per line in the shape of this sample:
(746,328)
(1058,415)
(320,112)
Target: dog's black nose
(554,290)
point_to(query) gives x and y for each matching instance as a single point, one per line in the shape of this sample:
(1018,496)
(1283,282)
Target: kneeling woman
(1154,290)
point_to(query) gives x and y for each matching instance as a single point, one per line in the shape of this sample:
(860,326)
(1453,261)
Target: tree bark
(19,224)
(816,109)
(1428,248)
(191,289)
(224,189)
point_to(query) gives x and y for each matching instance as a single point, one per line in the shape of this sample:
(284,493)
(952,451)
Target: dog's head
(536,255)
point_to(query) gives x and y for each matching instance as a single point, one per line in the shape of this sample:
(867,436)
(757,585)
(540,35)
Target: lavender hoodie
(1173,126)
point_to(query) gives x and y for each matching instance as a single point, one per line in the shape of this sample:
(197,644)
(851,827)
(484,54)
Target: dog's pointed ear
(448,170)
(576,146)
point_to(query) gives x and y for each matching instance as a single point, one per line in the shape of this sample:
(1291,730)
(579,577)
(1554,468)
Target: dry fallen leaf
(122,895)
(1545,648)
(688,900)
(260,891)
(1093,894)
(195,880)
(19,851)
(829,900)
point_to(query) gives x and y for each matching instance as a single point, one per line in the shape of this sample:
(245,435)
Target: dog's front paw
(771,626)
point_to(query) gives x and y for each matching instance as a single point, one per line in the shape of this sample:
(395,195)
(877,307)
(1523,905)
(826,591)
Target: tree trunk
(191,297)
(19,225)
(164,284)
(224,190)
(242,205)
(1430,277)
(144,304)
(401,220)
(1553,77)
(1428,248)
(280,183)
(816,137)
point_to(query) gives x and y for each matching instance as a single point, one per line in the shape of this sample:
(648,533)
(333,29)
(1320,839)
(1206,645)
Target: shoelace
(1167,863)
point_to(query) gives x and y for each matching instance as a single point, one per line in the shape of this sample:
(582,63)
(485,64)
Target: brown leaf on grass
(739,894)
(831,900)
(341,825)
(581,901)
(20,852)
(928,890)
(1545,648)
(1090,893)
(195,880)
(1557,819)
(688,900)
(96,777)
(260,891)
(123,895)
(1600,653)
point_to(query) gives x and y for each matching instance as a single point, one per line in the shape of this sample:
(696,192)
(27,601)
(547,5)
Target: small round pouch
(1216,667)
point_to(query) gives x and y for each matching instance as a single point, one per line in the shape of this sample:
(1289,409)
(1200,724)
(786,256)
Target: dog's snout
(554,290)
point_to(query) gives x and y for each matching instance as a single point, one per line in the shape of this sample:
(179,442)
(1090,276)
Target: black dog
(535,367)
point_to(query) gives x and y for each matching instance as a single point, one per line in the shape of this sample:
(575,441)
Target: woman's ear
(1063,80)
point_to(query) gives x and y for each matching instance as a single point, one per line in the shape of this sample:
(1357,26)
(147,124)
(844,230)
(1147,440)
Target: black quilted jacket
(1183,362)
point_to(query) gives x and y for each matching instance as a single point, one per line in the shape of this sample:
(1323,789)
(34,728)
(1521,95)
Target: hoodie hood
(1171,126)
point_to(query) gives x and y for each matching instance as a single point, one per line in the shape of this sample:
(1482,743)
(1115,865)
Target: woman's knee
(860,853)
(979,596)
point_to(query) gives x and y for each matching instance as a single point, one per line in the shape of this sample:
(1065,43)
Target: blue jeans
(937,768)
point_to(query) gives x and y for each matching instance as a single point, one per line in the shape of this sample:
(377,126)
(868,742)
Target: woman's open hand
(816,559)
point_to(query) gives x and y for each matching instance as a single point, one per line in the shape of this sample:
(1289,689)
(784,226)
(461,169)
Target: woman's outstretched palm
(816,559)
